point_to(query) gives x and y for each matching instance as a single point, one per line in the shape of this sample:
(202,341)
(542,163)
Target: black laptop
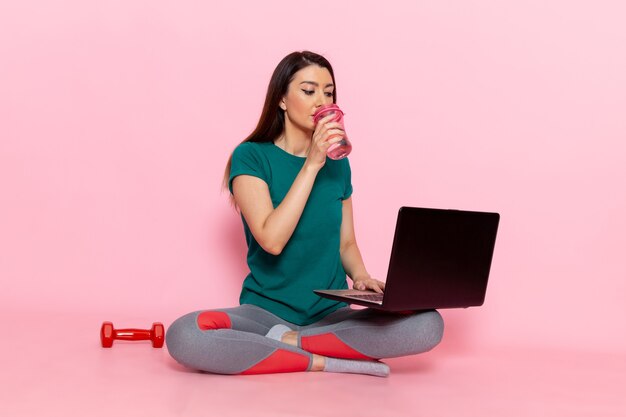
(439,259)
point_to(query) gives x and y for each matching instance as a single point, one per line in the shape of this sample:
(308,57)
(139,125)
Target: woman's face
(310,88)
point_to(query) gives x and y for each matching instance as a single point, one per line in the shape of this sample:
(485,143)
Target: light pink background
(117,119)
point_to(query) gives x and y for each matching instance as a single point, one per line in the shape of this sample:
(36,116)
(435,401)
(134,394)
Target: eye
(308,92)
(329,94)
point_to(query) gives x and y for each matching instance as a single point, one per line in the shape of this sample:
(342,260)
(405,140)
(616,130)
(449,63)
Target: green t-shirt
(284,284)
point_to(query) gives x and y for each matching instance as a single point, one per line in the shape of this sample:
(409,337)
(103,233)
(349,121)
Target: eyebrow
(316,84)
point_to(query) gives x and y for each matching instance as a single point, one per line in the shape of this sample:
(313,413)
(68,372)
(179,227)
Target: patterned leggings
(232,340)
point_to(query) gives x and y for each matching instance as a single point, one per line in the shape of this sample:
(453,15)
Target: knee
(194,342)
(431,327)
(180,338)
(426,330)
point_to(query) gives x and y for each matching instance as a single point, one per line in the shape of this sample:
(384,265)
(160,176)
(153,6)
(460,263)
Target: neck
(294,140)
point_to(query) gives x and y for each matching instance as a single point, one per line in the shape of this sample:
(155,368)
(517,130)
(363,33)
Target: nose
(321,99)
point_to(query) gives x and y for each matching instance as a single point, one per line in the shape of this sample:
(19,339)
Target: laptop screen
(440,258)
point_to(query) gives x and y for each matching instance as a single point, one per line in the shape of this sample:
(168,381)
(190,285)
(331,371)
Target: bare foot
(291,338)
(319,362)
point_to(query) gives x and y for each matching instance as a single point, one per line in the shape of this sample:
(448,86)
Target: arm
(272,227)
(351,255)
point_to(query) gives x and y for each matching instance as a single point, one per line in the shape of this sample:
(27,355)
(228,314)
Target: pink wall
(116,120)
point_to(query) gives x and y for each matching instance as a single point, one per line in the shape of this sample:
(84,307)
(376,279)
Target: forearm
(281,223)
(353,262)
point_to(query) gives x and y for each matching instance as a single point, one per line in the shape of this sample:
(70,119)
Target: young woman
(297,216)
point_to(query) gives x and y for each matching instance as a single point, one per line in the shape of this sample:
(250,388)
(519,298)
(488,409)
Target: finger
(372,285)
(378,286)
(324,144)
(333,125)
(327,118)
(333,133)
(320,133)
(322,127)
(334,139)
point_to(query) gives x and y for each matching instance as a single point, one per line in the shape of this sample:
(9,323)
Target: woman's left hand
(368,283)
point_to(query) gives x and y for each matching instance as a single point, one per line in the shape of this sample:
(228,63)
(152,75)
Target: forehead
(313,73)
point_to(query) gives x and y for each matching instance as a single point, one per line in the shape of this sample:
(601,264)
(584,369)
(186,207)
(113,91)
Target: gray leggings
(232,340)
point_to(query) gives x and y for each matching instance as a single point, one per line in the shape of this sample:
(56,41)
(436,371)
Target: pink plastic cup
(342,148)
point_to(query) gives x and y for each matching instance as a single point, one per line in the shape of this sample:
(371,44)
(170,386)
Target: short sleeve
(348,180)
(248,160)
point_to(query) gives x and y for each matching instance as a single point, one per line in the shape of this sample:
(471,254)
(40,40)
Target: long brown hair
(272,121)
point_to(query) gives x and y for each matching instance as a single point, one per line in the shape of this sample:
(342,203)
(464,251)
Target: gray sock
(356,367)
(277,332)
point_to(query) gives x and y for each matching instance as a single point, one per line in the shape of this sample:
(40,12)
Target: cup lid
(328,107)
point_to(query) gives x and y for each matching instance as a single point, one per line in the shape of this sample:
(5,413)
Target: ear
(282,104)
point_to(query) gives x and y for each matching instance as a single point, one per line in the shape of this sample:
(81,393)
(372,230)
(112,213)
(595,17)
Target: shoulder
(256,153)
(249,149)
(250,158)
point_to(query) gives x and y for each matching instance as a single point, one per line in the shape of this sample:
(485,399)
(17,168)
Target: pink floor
(53,365)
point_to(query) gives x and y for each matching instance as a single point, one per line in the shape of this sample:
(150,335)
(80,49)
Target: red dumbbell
(108,334)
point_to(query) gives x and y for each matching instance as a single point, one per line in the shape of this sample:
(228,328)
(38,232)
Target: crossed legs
(233,341)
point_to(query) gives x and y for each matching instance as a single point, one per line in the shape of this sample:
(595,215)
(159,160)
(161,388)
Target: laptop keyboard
(377,297)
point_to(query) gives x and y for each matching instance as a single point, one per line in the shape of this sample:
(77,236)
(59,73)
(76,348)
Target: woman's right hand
(326,133)
(272,227)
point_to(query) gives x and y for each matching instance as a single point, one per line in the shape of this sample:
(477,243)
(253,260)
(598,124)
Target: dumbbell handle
(131,334)
(108,334)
